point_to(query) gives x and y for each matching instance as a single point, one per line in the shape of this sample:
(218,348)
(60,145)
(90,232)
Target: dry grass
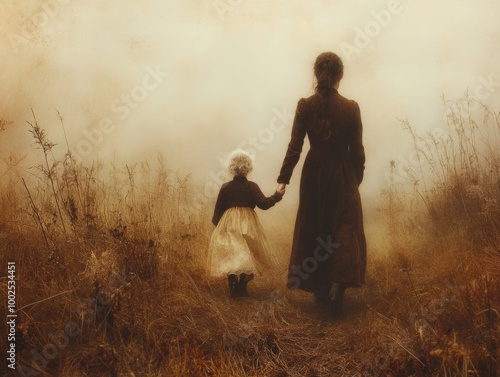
(111,281)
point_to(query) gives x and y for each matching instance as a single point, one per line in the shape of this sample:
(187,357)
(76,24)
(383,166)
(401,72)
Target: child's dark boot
(244,279)
(233,285)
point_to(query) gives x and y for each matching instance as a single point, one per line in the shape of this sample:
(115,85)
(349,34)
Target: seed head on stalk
(46,146)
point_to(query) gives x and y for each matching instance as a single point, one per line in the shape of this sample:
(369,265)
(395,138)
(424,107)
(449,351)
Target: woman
(329,247)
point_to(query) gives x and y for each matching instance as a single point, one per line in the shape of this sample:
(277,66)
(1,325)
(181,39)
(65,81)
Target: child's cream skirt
(239,245)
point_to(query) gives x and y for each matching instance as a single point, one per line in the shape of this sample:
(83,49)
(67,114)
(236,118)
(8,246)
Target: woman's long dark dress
(328,243)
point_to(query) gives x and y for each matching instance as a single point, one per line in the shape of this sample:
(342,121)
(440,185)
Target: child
(238,245)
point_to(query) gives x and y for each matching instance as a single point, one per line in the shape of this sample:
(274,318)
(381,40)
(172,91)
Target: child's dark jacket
(241,192)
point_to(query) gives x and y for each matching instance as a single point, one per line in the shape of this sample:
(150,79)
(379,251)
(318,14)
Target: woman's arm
(356,149)
(295,145)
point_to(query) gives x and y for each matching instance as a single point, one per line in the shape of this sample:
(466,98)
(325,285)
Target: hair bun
(328,70)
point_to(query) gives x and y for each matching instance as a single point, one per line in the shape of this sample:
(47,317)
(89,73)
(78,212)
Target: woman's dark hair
(328,69)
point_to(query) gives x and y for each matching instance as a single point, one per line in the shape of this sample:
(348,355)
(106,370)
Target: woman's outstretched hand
(281,189)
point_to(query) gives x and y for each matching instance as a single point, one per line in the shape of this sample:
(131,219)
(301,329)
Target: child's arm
(220,207)
(262,201)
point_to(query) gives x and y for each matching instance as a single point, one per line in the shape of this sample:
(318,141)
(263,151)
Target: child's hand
(281,189)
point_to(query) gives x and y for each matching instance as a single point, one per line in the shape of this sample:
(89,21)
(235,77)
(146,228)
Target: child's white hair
(239,163)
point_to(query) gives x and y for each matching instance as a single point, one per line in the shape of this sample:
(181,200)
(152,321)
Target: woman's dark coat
(328,243)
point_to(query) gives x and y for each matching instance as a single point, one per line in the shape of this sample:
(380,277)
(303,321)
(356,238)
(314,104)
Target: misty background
(195,79)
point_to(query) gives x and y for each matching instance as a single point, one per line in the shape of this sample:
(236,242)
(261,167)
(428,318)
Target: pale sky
(194,79)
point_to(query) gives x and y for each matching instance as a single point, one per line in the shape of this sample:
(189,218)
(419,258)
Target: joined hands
(281,189)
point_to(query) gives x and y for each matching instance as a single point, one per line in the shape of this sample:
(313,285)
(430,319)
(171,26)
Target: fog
(195,79)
